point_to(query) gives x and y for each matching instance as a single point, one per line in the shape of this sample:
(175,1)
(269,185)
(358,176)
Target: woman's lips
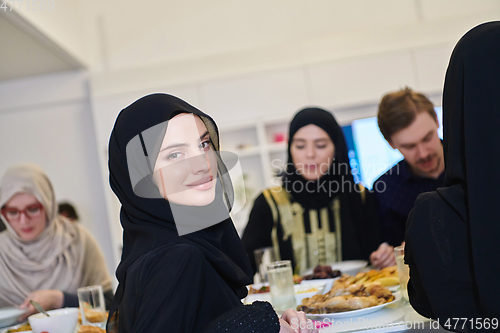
(311,167)
(27,230)
(201,184)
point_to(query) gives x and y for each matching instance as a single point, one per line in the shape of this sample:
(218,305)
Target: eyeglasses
(14,214)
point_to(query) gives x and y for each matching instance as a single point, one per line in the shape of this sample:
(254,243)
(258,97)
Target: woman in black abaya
(183,266)
(453,233)
(318,215)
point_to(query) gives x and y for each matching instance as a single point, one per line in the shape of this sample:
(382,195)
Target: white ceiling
(118,36)
(114,36)
(25,52)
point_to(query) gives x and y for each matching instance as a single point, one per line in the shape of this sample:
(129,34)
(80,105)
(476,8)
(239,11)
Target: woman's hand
(383,256)
(48,299)
(296,322)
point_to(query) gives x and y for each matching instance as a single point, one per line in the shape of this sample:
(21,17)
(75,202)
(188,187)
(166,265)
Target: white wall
(47,121)
(336,84)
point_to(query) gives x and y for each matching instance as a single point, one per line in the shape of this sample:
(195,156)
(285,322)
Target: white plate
(350,267)
(327,282)
(354,313)
(8,316)
(299,296)
(393,288)
(318,284)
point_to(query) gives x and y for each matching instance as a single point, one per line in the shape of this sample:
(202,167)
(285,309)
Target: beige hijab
(63,257)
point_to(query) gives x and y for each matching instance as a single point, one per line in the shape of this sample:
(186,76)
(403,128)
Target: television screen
(370,155)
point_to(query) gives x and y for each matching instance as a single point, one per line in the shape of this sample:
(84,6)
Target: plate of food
(321,272)
(350,267)
(308,290)
(355,313)
(258,288)
(257,292)
(387,277)
(9,316)
(350,296)
(327,283)
(261,292)
(24,327)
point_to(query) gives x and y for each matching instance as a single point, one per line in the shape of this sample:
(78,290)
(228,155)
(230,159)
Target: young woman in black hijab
(183,267)
(453,233)
(318,215)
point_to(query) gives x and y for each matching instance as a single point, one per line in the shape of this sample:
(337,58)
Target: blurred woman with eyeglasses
(43,257)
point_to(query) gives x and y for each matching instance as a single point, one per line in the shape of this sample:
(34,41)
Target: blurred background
(67,67)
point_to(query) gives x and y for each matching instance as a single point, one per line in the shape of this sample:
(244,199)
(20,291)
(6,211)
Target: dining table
(395,316)
(399,316)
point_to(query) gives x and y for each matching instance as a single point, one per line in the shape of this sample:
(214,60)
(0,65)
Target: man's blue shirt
(396,192)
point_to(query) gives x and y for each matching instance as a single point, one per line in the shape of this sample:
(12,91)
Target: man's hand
(383,256)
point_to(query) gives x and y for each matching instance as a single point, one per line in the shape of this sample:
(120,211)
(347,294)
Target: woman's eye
(173,156)
(300,147)
(12,213)
(321,147)
(33,210)
(205,145)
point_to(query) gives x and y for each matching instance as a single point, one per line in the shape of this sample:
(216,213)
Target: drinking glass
(403,271)
(263,257)
(280,278)
(92,306)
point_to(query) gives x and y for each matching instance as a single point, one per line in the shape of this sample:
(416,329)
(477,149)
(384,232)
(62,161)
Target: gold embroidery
(321,246)
(274,232)
(330,241)
(338,228)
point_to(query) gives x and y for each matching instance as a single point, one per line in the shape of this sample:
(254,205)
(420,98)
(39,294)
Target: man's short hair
(397,110)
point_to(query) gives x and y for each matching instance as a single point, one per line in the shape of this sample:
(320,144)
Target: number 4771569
(477,324)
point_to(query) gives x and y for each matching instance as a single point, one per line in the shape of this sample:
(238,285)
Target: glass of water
(92,306)
(403,271)
(279,274)
(263,257)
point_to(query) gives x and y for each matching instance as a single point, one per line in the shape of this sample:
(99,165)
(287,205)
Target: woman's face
(312,152)
(185,171)
(25,215)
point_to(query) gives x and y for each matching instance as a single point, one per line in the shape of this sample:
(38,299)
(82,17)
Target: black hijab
(471,120)
(339,171)
(148,221)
